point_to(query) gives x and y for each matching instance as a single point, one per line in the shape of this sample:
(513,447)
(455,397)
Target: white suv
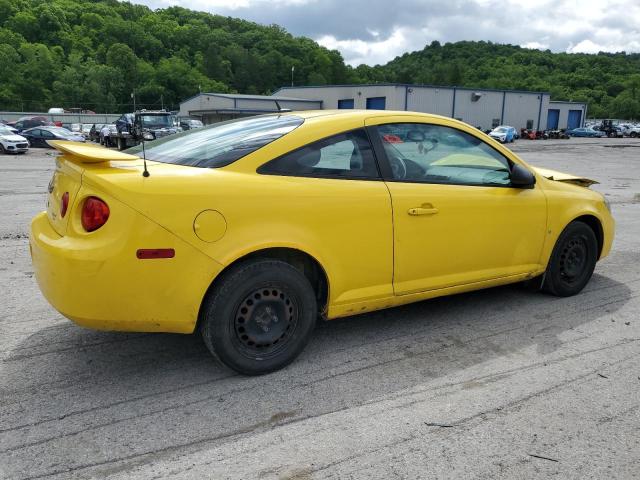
(633,131)
(11,142)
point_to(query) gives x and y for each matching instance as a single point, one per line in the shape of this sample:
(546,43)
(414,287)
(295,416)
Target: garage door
(552,119)
(575,118)
(376,103)
(345,103)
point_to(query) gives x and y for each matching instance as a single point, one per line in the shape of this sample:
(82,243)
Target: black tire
(120,144)
(2,150)
(633,134)
(259,317)
(572,261)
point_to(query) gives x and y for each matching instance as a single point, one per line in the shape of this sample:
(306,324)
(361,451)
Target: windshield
(60,131)
(500,130)
(154,121)
(219,144)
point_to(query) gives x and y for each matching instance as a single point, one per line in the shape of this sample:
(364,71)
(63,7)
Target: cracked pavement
(499,383)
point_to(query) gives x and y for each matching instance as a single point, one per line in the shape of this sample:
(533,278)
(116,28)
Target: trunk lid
(67,177)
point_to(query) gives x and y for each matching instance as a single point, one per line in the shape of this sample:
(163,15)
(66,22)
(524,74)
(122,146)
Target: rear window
(219,144)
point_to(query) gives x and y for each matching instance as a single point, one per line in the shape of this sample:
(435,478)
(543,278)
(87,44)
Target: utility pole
(292,69)
(133,95)
(161,101)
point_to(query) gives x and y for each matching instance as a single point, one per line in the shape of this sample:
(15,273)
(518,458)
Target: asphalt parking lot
(500,383)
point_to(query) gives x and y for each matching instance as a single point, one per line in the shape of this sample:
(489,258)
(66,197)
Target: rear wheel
(572,261)
(259,317)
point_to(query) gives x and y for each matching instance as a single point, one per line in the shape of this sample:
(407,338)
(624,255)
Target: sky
(374,31)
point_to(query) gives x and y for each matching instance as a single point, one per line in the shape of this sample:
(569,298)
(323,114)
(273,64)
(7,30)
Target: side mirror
(521,177)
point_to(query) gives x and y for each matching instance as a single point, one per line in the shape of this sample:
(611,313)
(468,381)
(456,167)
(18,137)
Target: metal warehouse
(483,108)
(216,107)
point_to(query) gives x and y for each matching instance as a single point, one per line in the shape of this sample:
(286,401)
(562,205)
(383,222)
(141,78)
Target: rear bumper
(98,282)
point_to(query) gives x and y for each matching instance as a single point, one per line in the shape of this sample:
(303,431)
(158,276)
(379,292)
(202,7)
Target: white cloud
(535,45)
(375,31)
(372,52)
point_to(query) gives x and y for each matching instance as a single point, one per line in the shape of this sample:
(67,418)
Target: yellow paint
(374,251)
(210,226)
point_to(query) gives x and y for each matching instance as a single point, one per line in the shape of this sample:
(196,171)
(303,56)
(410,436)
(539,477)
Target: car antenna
(280,109)
(145,173)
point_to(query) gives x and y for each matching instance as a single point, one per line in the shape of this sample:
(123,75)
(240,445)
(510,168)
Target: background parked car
(190,123)
(94,132)
(38,136)
(29,122)
(503,133)
(585,132)
(85,130)
(633,131)
(12,143)
(4,124)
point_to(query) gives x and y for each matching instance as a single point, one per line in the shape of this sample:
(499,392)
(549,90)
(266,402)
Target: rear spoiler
(89,153)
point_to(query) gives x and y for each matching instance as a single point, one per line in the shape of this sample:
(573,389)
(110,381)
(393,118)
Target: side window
(419,152)
(347,155)
(36,132)
(46,134)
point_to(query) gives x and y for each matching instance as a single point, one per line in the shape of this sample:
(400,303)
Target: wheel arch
(595,224)
(303,261)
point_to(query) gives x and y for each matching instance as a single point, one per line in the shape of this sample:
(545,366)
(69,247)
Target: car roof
(351,113)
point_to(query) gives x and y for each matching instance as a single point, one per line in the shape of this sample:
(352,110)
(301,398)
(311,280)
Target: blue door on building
(345,103)
(553,117)
(376,103)
(575,119)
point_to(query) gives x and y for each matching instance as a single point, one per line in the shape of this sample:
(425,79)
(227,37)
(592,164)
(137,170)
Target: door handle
(422,211)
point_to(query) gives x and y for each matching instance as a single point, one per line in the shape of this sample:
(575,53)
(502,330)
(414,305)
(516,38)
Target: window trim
(379,178)
(385,167)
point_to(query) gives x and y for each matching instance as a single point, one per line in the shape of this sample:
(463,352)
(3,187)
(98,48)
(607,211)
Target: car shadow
(163,391)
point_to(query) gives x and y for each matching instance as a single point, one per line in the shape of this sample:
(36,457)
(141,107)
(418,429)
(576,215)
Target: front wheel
(259,317)
(572,261)
(2,150)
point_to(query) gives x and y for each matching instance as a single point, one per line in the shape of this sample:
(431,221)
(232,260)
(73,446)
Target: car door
(33,136)
(334,192)
(46,135)
(457,219)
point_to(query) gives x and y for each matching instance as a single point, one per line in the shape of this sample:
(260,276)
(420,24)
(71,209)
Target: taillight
(95,214)
(64,204)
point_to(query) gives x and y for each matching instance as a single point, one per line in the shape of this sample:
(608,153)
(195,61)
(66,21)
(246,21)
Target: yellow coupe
(249,230)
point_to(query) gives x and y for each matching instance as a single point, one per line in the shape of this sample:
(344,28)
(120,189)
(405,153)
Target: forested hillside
(609,82)
(93,53)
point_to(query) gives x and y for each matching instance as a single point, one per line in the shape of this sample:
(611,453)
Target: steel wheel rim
(573,260)
(264,322)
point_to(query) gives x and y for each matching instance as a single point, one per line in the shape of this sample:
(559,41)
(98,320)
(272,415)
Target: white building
(216,107)
(483,108)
